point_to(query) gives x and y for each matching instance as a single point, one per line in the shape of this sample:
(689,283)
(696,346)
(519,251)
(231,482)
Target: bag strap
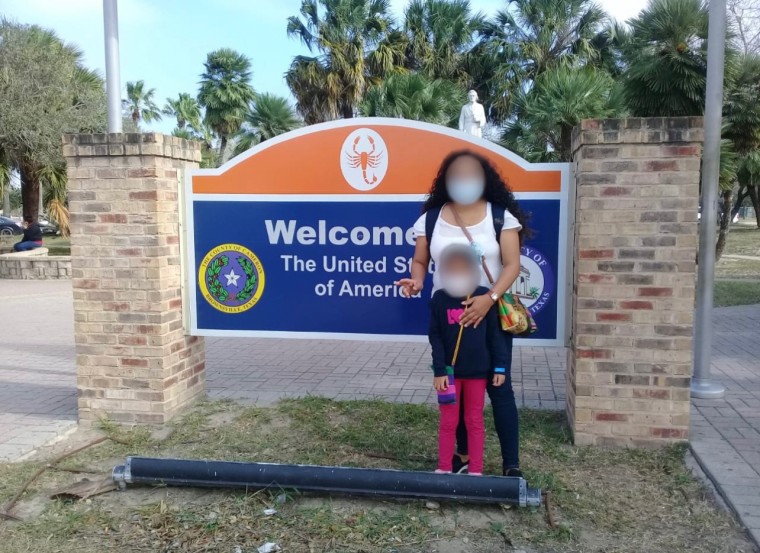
(459,340)
(458,219)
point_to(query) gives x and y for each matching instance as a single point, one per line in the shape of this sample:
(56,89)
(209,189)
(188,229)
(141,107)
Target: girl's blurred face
(465,180)
(459,277)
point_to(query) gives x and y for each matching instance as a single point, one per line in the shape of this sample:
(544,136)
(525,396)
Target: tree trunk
(30,192)
(222,148)
(566,139)
(725,223)
(755,202)
(7,200)
(347,111)
(743,193)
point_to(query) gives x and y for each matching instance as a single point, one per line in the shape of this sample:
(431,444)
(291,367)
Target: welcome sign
(303,235)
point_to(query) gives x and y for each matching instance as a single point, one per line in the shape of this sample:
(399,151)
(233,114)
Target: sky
(165,42)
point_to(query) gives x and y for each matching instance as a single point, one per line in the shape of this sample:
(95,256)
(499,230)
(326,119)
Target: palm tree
(225,93)
(54,181)
(343,33)
(530,37)
(742,127)
(415,96)
(185,109)
(558,100)
(667,59)
(139,103)
(439,33)
(269,116)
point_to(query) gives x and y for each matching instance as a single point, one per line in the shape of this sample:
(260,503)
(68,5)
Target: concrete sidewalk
(725,433)
(37,379)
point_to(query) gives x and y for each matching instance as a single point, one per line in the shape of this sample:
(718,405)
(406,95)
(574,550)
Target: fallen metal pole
(339,480)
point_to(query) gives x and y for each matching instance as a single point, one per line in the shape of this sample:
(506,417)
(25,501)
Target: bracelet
(500,370)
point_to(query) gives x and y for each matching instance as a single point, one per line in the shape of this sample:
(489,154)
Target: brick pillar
(134,362)
(630,359)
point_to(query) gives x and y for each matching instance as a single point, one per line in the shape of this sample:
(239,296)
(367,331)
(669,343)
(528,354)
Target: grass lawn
(737,280)
(57,244)
(605,500)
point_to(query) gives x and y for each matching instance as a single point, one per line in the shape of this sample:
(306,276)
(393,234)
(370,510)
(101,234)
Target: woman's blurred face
(465,180)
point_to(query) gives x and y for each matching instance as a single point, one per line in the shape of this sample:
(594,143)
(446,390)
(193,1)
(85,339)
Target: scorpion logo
(372,160)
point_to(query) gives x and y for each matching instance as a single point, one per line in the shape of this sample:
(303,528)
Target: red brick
(616,417)
(129,362)
(175,303)
(596,279)
(115,306)
(597,254)
(669,432)
(679,151)
(601,317)
(633,304)
(655,292)
(594,353)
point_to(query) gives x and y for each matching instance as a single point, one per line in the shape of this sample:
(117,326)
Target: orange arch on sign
(308,161)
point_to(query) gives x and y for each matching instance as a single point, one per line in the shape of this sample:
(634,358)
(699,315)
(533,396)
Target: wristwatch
(494,296)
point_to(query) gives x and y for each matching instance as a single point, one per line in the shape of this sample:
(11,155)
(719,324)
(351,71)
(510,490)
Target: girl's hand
(476,310)
(409,286)
(440,383)
(499,379)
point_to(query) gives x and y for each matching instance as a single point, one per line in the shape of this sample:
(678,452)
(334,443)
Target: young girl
(472,354)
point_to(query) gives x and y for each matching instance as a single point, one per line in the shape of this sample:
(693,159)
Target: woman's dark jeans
(504,417)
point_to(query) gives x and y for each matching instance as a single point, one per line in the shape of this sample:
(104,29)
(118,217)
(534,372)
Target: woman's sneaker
(459,466)
(516,473)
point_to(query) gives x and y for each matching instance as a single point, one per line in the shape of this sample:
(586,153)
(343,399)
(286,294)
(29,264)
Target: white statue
(472,118)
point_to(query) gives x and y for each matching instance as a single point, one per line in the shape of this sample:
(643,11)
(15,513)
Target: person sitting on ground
(32,236)
(464,358)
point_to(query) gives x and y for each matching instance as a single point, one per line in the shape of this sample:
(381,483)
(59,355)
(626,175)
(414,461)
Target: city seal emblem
(535,283)
(231,278)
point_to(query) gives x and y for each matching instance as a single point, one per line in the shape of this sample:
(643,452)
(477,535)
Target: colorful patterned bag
(514,316)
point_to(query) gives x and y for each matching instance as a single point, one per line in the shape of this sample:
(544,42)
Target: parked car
(8,227)
(47,226)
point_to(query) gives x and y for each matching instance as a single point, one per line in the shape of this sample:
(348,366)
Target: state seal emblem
(231,278)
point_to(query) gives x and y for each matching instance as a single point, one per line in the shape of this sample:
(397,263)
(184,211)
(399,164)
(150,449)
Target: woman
(470,189)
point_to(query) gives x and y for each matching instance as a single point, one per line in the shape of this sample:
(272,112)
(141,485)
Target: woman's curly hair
(496,191)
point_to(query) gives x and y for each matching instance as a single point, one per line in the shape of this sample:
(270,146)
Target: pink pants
(474,394)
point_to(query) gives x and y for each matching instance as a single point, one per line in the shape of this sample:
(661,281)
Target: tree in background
(343,33)
(269,116)
(45,91)
(139,103)
(745,17)
(742,127)
(558,100)
(415,96)
(530,37)
(185,110)
(438,34)
(225,92)
(667,59)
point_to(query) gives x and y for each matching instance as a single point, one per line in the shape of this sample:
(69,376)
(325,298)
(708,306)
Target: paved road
(38,396)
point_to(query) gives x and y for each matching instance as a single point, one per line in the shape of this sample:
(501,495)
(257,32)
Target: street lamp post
(113,77)
(701,386)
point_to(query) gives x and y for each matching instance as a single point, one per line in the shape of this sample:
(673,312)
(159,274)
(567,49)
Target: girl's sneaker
(517,473)
(439,471)
(459,466)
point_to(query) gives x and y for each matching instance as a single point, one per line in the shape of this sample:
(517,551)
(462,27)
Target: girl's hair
(496,191)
